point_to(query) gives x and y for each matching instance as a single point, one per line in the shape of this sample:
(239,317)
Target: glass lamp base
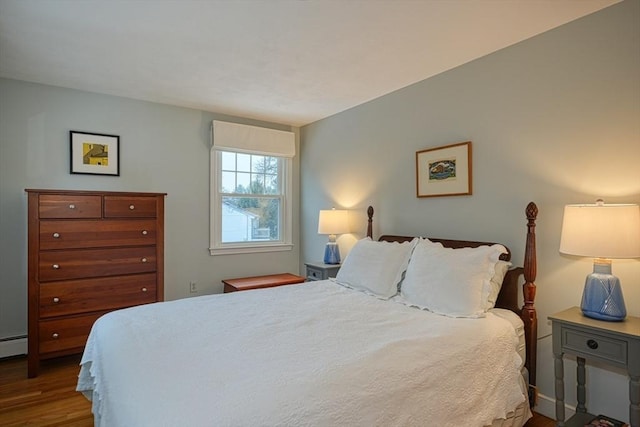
(332,253)
(602,298)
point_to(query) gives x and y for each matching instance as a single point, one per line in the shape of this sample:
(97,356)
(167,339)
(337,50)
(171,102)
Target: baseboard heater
(13,346)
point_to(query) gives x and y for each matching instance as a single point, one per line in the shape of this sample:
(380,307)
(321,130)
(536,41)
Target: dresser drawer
(104,293)
(69,206)
(593,345)
(68,334)
(85,263)
(129,207)
(96,233)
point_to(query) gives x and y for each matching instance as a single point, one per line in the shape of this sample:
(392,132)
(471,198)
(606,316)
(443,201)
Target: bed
(370,348)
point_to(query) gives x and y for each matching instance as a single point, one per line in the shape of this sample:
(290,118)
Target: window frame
(216,246)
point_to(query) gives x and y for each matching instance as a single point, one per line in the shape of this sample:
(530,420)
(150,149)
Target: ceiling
(284,61)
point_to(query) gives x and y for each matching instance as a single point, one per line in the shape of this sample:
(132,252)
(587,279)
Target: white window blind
(253,139)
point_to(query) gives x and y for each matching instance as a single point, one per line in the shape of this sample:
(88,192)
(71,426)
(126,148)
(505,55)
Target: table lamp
(603,232)
(332,222)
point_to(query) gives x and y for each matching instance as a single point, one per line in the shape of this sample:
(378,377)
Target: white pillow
(453,282)
(495,284)
(376,267)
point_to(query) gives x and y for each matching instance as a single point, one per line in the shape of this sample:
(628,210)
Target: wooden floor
(540,421)
(51,400)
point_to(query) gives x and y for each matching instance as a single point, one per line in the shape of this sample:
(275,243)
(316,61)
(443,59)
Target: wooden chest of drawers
(90,252)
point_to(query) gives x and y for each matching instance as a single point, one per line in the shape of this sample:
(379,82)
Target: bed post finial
(369,222)
(529,315)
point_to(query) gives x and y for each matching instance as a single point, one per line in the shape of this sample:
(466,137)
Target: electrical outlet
(193,287)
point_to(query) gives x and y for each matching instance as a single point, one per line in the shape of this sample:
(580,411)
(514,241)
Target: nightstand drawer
(314,273)
(321,271)
(593,345)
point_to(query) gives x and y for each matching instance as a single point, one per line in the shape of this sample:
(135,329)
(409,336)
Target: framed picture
(444,171)
(95,153)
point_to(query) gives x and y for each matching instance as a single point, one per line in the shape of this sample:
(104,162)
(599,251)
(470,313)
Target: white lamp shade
(333,221)
(601,231)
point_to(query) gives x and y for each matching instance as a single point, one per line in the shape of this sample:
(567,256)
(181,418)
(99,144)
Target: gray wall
(554,119)
(162,149)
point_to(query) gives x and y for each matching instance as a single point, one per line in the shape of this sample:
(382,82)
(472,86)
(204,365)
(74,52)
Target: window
(252,194)
(250,189)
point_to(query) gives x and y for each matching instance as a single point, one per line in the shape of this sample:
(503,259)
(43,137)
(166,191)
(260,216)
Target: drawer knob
(54,335)
(56,300)
(144,289)
(55,266)
(132,207)
(144,260)
(145,232)
(592,344)
(72,206)
(56,235)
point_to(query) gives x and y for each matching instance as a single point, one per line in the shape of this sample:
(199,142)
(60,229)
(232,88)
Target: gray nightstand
(614,343)
(321,271)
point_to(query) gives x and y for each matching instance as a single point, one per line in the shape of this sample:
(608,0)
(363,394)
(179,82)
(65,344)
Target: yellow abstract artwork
(95,154)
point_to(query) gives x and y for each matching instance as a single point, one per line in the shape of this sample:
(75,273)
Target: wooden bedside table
(259,282)
(614,343)
(321,271)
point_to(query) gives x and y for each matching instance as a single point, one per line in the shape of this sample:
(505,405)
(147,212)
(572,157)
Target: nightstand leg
(634,400)
(634,383)
(582,391)
(559,374)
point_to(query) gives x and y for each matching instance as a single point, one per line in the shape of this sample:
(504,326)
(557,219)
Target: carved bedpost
(529,315)
(370,220)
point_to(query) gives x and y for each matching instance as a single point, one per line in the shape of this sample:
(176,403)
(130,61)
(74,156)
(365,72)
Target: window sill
(233,250)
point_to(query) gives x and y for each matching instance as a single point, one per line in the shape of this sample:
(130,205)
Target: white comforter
(313,354)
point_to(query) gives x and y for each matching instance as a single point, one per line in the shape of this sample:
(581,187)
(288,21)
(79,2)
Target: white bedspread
(313,354)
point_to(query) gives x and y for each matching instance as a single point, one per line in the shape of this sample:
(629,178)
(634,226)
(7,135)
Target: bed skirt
(516,418)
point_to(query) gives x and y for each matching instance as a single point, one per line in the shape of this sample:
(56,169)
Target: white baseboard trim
(547,406)
(13,347)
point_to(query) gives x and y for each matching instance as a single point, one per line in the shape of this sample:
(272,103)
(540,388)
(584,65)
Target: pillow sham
(376,267)
(452,282)
(495,284)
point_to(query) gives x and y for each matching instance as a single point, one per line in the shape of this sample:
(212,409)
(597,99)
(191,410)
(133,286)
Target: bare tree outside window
(252,193)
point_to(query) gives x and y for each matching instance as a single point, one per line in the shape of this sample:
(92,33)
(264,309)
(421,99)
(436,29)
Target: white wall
(162,149)
(554,119)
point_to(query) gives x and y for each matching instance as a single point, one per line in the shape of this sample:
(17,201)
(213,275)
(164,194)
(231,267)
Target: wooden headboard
(508,297)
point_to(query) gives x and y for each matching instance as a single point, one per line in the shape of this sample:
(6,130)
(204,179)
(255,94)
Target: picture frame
(444,171)
(604,421)
(94,153)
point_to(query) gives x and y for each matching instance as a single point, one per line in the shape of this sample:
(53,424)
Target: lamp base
(602,296)
(331,253)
